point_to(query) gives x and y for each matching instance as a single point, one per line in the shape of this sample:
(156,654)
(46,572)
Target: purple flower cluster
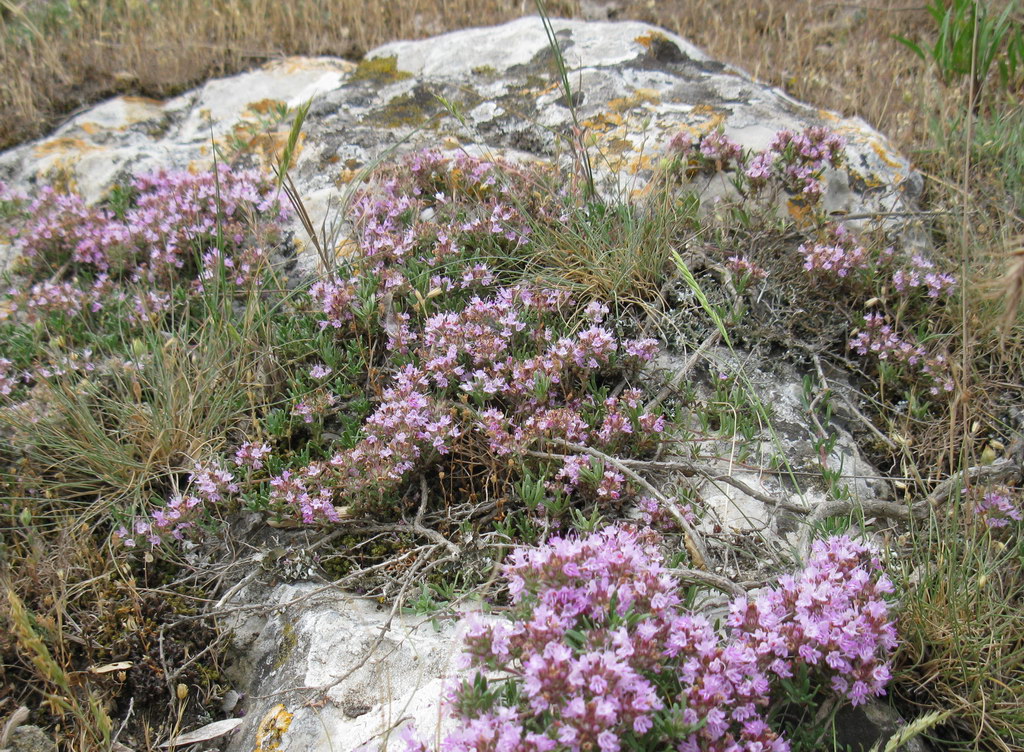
(831,617)
(314,404)
(741,266)
(173,214)
(504,353)
(68,298)
(718,148)
(601,654)
(304,491)
(839,253)
(251,455)
(432,213)
(997,510)
(797,160)
(208,485)
(712,152)
(883,341)
(921,274)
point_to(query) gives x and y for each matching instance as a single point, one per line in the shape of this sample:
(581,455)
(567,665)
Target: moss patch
(379,70)
(289,639)
(413,109)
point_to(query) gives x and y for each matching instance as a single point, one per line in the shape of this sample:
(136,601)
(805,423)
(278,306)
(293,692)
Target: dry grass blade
(1011,287)
(912,731)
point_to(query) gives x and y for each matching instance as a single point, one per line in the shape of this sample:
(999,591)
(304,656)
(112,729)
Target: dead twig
(694,545)
(872,507)
(683,372)
(998,472)
(690,470)
(708,579)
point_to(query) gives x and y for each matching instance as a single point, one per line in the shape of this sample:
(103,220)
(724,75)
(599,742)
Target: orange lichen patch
(883,154)
(868,181)
(650,38)
(712,119)
(642,162)
(618,146)
(638,98)
(264,106)
(829,115)
(347,248)
(63,147)
(272,729)
(801,211)
(603,122)
(90,128)
(712,124)
(346,176)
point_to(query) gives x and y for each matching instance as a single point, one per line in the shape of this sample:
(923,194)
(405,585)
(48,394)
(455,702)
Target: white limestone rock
(634,85)
(343,686)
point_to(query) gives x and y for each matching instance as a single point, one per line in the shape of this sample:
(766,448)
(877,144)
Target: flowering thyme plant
(480,370)
(469,368)
(997,509)
(600,654)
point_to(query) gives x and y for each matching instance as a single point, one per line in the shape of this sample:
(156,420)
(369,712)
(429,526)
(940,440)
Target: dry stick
(998,472)
(682,373)
(869,425)
(237,586)
(710,580)
(873,507)
(694,545)
(124,723)
(217,641)
(690,470)
(405,527)
(754,493)
(418,522)
(17,718)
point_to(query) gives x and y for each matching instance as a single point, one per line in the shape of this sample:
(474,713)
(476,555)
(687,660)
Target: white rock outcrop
(634,87)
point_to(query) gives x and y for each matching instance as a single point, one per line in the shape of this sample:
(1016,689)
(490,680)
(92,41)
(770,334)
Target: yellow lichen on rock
(272,729)
(64,147)
(650,38)
(638,98)
(883,154)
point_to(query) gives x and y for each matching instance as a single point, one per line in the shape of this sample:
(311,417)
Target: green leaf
(911,45)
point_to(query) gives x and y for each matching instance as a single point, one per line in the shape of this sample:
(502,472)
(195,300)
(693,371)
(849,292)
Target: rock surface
(338,672)
(30,739)
(634,86)
(307,673)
